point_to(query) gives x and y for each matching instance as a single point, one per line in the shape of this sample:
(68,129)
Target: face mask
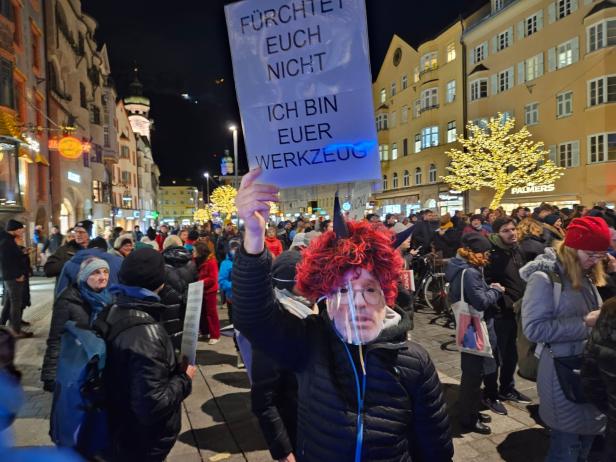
(357,310)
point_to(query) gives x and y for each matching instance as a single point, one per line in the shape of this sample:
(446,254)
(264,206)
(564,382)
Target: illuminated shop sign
(534,189)
(74,177)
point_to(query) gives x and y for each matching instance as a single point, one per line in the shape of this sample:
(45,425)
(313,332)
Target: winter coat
(69,306)
(404,413)
(274,245)
(53,243)
(564,329)
(599,372)
(12,262)
(208,273)
(448,243)
(70,271)
(160,239)
(532,246)
(224,276)
(423,235)
(148,385)
(180,269)
(504,268)
(551,234)
(55,263)
(151,243)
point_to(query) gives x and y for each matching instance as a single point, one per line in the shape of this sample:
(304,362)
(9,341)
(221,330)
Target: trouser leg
(506,335)
(13,304)
(470,388)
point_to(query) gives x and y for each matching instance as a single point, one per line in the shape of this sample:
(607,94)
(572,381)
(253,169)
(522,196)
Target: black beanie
(98,242)
(14,225)
(476,242)
(284,269)
(85,224)
(143,268)
(551,219)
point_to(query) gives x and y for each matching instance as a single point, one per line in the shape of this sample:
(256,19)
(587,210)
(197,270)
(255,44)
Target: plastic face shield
(357,310)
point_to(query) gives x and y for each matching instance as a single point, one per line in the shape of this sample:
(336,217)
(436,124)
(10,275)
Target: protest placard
(190,337)
(303,83)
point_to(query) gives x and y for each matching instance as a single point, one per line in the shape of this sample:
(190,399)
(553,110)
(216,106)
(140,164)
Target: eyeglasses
(371,295)
(595,255)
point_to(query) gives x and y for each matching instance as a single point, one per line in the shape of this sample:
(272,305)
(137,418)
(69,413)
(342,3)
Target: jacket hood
(137,293)
(496,240)
(83,254)
(177,256)
(455,266)
(545,262)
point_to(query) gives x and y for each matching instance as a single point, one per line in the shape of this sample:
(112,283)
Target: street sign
(303,83)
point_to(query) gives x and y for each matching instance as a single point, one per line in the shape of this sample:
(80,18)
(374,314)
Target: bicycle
(432,289)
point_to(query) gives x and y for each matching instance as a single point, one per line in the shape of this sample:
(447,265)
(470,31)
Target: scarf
(97,300)
(446,226)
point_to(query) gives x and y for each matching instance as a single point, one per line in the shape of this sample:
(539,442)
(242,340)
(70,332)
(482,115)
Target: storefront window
(9,180)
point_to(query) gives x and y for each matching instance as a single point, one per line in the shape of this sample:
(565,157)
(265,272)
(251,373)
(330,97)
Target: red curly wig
(325,262)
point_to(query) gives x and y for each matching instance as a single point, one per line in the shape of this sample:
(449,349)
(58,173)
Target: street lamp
(207,181)
(233,128)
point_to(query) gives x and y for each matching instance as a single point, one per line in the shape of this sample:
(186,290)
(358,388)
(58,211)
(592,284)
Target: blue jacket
(71,268)
(477,292)
(224,276)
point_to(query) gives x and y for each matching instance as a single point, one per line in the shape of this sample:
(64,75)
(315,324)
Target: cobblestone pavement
(217,422)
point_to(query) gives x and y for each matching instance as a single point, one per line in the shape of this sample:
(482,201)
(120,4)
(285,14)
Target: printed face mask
(357,309)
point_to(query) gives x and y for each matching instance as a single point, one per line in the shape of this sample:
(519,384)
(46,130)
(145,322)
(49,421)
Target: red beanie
(588,233)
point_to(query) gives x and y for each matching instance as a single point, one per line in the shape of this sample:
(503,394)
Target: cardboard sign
(190,337)
(303,83)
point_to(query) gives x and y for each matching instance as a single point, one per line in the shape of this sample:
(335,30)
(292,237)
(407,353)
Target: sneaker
(484,418)
(515,396)
(240,362)
(495,406)
(476,427)
(213,341)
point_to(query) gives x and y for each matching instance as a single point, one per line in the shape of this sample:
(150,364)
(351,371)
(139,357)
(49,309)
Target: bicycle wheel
(435,293)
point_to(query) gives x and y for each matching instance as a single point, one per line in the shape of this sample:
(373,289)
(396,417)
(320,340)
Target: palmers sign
(534,189)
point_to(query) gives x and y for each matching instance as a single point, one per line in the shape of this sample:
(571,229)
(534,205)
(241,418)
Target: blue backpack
(78,412)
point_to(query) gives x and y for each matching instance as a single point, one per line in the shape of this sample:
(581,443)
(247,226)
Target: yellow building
(551,65)
(419,111)
(177,203)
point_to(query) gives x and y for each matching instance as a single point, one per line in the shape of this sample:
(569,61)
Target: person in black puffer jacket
(372,396)
(599,370)
(530,237)
(147,382)
(180,269)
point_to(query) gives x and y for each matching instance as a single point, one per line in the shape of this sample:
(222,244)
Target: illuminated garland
(495,157)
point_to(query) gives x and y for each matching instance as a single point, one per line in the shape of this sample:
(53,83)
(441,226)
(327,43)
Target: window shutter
(510,77)
(539,20)
(471,56)
(575,48)
(552,155)
(587,2)
(510,35)
(520,30)
(540,56)
(493,80)
(521,75)
(575,154)
(551,59)
(494,43)
(574,6)
(485,49)
(551,13)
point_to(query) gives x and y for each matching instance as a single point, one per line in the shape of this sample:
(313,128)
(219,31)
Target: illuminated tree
(223,200)
(203,215)
(495,157)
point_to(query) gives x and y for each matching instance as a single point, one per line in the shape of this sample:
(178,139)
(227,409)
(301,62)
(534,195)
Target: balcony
(427,70)
(428,108)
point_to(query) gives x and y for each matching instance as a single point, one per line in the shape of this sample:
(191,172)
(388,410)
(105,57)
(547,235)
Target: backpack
(528,361)
(78,415)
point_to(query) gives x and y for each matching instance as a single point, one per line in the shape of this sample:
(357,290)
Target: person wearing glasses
(560,306)
(55,263)
(365,393)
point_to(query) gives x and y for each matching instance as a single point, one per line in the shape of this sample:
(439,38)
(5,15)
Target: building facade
(550,65)
(125,186)
(177,203)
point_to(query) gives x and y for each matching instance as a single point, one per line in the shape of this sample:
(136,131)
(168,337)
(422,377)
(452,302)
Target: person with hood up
(273,389)
(469,262)
(55,263)
(353,360)
(530,237)
(552,229)
(148,383)
(559,319)
(150,238)
(504,268)
(207,268)
(272,243)
(180,269)
(80,302)
(123,245)
(476,226)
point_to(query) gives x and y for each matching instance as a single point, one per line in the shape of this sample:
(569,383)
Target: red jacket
(159,240)
(208,273)
(274,245)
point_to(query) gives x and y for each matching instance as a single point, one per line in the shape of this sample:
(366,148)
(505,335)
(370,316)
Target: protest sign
(303,83)
(190,337)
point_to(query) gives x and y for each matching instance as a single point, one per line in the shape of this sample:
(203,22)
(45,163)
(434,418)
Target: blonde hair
(529,227)
(568,257)
(474,258)
(172,241)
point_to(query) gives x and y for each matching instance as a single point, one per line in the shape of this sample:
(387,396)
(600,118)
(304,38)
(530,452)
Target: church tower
(138,108)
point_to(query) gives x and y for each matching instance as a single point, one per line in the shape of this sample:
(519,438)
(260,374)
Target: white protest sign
(303,83)
(190,337)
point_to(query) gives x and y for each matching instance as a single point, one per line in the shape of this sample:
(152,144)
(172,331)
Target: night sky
(182,47)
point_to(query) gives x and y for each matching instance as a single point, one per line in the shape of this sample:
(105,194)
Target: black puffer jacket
(55,263)
(504,268)
(531,246)
(180,269)
(599,372)
(404,414)
(69,306)
(12,263)
(148,386)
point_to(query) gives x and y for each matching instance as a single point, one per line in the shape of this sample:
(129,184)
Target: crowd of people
(322,312)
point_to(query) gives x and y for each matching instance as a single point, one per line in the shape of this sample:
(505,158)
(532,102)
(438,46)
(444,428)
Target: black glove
(49,385)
